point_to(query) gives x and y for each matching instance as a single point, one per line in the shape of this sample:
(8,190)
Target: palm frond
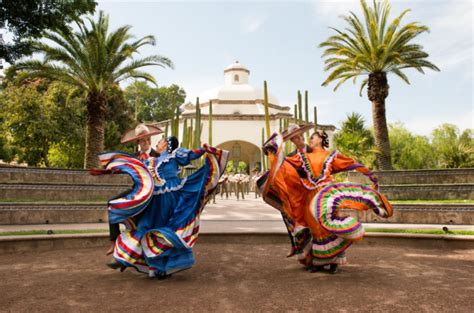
(373,45)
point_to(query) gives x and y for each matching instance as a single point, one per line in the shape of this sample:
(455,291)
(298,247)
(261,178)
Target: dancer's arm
(185,156)
(344,163)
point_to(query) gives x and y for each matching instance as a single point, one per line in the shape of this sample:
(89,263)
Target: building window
(236,78)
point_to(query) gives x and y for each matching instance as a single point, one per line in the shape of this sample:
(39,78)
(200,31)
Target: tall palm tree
(92,60)
(375,48)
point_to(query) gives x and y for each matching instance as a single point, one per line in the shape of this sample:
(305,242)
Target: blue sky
(278,42)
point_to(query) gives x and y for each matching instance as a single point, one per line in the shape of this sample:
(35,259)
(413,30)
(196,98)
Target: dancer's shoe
(116,265)
(291,253)
(316,268)
(111,249)
(333,269)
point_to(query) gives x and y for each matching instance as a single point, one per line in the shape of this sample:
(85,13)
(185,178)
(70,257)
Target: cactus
(287,143)
(197,139)
(210,123)
(296,114)
(171,125)
(184,141)
(176,122)
(315,118)
(300,108)
(267,112)
(264,167)
(306,111)
(191,135)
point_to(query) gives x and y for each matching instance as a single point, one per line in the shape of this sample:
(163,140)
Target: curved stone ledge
(16,174)
(16,244)
(428,176)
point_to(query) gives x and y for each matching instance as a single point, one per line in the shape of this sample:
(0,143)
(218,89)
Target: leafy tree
(454,150)
(375,47)
(27,121)
(355,139)
(67,118)
(119,119)
(410,151)
(30,18)
(154,104)
(93,60)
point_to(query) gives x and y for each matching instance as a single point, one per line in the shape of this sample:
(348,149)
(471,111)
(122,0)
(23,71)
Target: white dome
(236,66)
(236,92)
(236,95)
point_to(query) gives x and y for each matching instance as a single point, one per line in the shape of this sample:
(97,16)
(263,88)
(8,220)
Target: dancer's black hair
(173,143)
(324,136)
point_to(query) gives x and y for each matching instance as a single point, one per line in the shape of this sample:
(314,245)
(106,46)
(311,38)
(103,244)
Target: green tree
(153,103)
(119,119)
(410,151)
(355,139)
(453,150)
(27,122)
(39,115)
(67,118)
(30,18)
(93,60)
(375,47)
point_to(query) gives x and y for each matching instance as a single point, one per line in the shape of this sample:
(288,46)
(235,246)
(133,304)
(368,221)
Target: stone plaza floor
(242,277)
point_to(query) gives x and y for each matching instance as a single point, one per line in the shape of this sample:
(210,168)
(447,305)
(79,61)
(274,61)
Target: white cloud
(251,24)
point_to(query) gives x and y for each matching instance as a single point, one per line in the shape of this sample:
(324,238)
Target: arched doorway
(243,151)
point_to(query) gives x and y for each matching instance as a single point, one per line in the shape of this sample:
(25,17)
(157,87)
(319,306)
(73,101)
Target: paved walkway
(249,215)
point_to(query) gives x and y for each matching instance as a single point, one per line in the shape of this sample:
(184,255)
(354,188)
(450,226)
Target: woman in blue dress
(160,242)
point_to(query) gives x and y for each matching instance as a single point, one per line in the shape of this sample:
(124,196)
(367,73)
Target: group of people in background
(238,184)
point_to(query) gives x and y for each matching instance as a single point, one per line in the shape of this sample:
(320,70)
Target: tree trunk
(95,128)
(377,92)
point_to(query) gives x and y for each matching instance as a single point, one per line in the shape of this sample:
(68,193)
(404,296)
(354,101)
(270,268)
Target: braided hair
(324,137)
(173,143)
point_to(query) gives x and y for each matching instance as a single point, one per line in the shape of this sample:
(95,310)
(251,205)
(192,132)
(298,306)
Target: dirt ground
(237,277)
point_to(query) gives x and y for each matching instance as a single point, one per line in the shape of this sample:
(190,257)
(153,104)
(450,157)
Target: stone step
(41,213)
(15,174)
(59,192)
(429,192)
(444,176)
(64,213)
(450,214)
(70,192)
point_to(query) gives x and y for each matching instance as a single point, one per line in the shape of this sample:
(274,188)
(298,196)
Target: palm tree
(93,60)
(355,139)
(375,48)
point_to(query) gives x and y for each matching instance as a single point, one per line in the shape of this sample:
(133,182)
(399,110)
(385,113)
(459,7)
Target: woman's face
(162,145)
(315,141)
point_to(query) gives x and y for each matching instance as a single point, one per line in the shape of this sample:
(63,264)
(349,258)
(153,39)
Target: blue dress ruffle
(161,241)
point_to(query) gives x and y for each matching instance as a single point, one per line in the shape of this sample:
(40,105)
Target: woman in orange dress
(303,189)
